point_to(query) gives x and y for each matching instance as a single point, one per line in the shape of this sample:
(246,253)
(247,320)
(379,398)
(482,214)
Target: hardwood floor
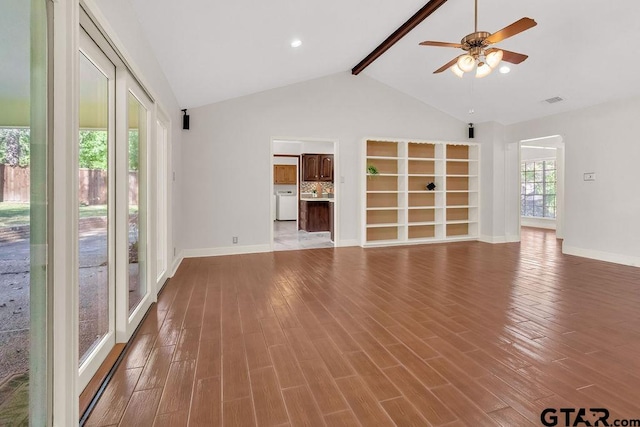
(449,334)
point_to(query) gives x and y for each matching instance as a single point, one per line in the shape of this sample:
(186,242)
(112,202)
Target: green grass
(14,214)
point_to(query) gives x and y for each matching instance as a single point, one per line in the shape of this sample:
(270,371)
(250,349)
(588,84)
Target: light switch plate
(590,176)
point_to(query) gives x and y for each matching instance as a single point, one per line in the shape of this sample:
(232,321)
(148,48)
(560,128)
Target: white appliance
(286,209)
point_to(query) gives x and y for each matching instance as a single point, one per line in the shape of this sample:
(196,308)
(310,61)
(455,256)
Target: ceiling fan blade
(511,30)
(447,65)
(441,44)
(513,57)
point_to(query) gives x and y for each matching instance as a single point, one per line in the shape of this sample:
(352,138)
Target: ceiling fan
(479,53)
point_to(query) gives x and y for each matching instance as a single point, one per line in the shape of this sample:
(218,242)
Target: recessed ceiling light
(504,69)
(296,43)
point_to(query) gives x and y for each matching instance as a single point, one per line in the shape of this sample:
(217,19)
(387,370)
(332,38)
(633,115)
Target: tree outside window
(538,192)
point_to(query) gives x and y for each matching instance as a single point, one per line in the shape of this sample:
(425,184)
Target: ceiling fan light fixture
(483,71)
(493,59)
(466,63)
(456,70)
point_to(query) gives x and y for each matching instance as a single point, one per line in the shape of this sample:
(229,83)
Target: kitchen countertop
(317,199)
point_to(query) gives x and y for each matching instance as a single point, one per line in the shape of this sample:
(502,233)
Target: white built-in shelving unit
(399,209)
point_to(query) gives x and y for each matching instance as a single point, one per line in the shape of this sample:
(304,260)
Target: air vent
(554,100)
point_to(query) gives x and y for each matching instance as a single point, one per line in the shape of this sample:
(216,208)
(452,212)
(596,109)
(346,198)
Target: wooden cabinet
(326,167)
(317,167)
(332,222)
(284,174)
(310,167)
(314,216)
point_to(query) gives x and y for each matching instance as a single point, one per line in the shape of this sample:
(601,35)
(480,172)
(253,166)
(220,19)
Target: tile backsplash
(309,186)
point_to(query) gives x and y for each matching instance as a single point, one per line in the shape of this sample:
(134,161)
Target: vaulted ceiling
(580,50)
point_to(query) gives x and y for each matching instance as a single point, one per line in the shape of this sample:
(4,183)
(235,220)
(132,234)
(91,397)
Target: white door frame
(560,170)
(336,182)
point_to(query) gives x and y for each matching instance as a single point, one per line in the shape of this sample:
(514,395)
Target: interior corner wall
(119,20)
(601,216)
(227,182)
(494,213)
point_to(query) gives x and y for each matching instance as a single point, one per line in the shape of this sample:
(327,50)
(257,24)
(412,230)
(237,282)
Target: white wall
(227,150)
(119,20)
(493,183)
(601,217)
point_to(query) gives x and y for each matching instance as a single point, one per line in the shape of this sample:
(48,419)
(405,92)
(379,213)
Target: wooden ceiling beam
(398,34)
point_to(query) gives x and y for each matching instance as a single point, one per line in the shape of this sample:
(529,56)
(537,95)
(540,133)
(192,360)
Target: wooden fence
(14,184)
(92,185)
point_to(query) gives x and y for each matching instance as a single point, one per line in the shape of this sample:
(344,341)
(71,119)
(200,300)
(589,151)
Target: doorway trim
(336,182)
(560,171)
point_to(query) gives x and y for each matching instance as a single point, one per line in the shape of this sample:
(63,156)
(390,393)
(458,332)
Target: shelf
(383,216)
(399,209)
(421,149)
(384,158)
(384,192)
(387,149)
(378,234)
(382,208)
(457,229)
(421,231)
(461,221)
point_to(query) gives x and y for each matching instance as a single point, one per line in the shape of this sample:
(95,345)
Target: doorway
(541,166)
(303,205)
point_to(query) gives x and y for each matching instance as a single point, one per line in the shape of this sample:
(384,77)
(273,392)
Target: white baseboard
(493,239)
(347,243)
(549,224)
(601,256)
(499,239)
(229,250)
(176,263)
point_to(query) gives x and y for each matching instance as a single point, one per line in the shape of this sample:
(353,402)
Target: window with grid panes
(538,192)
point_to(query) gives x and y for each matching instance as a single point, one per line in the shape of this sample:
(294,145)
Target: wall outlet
(235,240)
(589,176)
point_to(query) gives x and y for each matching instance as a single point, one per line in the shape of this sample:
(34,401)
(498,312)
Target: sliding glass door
(133,262)
(96,281)
(113,268)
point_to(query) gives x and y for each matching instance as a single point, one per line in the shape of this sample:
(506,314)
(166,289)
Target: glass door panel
(95,254)
(161,201)
(137,132)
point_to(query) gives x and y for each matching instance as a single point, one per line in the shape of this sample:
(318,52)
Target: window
(538,189)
